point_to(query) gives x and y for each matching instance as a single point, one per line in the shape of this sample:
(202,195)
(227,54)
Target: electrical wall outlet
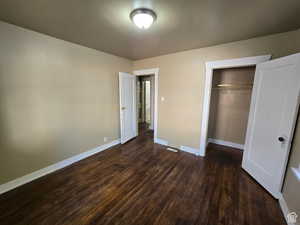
(105,139)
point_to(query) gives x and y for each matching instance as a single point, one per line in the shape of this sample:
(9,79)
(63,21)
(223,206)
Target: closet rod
(235,85)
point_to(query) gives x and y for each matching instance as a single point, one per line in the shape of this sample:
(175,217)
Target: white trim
(296,172)
(226,143)
(154,71)
(194,151)
(284,208)
(152,102)
(238,62)
(161,141)
(134,107)
(42,172)
(210,66)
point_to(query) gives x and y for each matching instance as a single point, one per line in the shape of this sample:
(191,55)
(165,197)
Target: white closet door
(273,112)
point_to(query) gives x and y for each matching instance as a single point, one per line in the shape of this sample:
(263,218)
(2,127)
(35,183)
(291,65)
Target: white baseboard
(226,143)
(284,208)
(161,141)
(42,172)
(194,151)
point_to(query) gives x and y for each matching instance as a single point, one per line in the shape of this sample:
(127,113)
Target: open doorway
(145,103)
(230,106)
(147,111)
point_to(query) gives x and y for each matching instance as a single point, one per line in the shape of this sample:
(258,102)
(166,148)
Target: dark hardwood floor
(142,183)
(143,128)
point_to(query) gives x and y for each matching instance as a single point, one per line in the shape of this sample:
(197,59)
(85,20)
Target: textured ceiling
(181,25)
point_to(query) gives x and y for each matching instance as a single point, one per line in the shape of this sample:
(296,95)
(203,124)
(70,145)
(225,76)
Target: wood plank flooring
(141,183)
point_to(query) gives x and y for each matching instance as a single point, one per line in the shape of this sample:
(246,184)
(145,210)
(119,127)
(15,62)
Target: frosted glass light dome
(143,18)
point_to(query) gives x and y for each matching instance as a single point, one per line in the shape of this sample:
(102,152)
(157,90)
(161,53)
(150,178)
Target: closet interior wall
(230,104)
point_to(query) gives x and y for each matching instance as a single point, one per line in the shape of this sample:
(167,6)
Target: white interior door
(127,86)
(273,111)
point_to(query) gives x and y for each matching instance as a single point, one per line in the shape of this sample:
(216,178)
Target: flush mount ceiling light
(143,18)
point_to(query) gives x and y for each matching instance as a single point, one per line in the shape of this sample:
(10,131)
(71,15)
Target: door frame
(209,67)
(155,72)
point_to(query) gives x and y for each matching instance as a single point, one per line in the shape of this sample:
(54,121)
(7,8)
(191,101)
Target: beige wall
(57,99)
(229,108)
(291,186)
(181,81)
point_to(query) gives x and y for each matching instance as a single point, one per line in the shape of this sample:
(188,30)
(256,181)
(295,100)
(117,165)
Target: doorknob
(123,108)
(281,139)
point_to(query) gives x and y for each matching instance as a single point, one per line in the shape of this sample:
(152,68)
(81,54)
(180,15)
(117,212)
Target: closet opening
(230,105)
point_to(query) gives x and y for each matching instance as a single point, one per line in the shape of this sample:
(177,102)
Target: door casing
(155,72)
(209,67)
